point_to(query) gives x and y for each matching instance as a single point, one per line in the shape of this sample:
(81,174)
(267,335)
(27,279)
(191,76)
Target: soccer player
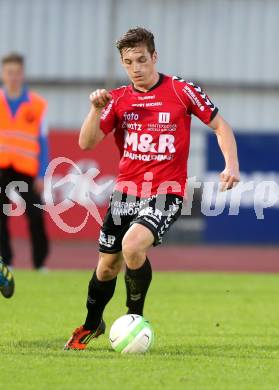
(7,284)
(151,123)
(23,155)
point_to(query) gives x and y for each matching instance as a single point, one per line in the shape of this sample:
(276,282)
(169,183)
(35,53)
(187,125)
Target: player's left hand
(39,185)
(229,178)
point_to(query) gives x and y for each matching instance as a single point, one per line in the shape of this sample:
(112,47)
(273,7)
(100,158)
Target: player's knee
(108,270)
(133,254)
(130,249)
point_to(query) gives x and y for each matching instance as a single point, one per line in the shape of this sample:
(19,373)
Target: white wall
(210,40)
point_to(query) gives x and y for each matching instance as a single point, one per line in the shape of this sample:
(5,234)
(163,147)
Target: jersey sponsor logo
(131,116)
(164,117)
(161,126)
(144,143)
(136,205)
(153,104)
(146,97)
(132,126)
(195,100)
(107,110)
(150,221)
(205,98)
(150,104)
(106,240)
(154,214)
(147,157)
(125,211)
(123,208)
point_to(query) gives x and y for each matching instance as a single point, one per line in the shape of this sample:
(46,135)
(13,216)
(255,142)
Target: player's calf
(138,273)
(99,294)
(137,283)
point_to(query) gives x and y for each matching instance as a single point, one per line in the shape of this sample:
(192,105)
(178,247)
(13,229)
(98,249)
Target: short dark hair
(13,58)
(135,37)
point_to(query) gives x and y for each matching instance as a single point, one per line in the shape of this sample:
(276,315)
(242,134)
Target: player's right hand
(229,178)
(100,98)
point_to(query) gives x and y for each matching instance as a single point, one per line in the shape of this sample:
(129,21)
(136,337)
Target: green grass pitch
(212,331)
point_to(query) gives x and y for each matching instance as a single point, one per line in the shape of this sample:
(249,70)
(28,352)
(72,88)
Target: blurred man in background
(23,156)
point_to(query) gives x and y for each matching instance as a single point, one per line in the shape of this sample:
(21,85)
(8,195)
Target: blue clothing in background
(15,103)
(44,150)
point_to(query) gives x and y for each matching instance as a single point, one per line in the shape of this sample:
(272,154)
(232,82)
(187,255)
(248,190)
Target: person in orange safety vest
(23,156)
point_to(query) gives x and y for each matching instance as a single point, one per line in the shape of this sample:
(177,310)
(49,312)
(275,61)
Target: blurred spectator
(23,155)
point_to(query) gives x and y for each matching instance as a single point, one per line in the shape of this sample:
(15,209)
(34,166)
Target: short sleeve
(108,118)
(196,100)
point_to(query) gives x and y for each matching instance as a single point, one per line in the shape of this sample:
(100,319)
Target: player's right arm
(91,133)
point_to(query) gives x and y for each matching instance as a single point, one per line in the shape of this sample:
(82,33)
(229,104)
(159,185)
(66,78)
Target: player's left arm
(230,175)
(197,102)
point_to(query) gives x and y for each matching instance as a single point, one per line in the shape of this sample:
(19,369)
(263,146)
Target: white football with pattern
(131,333)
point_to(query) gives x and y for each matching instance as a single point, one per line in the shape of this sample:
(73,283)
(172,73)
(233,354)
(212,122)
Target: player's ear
(123,63)
(155,57)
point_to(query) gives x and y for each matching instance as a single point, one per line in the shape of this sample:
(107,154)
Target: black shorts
(157,213)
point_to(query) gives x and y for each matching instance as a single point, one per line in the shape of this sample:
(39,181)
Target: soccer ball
(131,334)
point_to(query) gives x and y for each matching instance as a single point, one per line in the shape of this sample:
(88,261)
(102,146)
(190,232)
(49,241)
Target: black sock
(137,283)
(99,294)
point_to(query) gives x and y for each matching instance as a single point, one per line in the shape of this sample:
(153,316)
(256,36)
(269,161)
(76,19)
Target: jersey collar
(159,82)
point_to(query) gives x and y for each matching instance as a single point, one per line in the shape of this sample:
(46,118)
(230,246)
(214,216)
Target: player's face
(13,76)
(139,65)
